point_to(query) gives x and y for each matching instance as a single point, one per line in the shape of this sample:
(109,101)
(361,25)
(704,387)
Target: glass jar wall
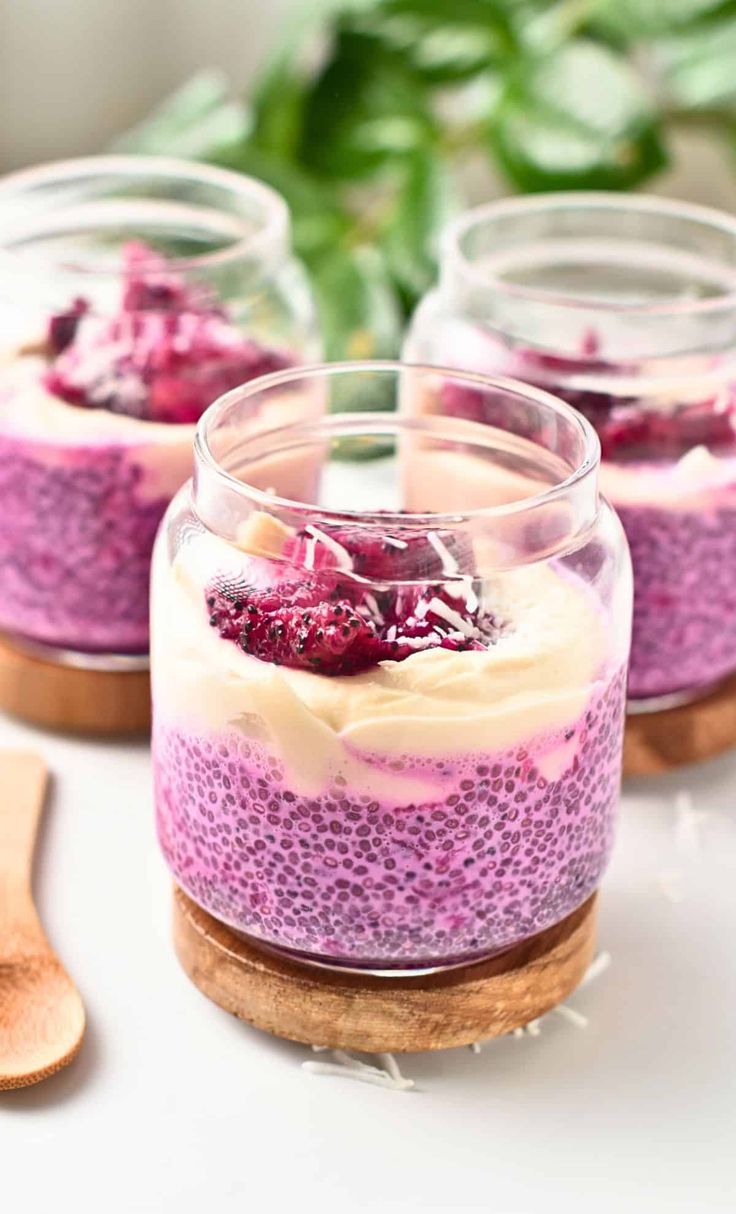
(388,670)
(133,292)
(625,308)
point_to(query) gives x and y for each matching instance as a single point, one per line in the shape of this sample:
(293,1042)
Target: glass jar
(625,308)
(388,671)
(133,292)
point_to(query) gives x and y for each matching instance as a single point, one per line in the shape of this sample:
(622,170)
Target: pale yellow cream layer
(534,681)
(697,481)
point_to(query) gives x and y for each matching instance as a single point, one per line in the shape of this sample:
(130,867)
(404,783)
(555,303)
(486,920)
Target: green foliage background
(367,115)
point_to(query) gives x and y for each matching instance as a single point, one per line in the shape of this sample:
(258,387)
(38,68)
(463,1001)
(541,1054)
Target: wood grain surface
(320,1006)
(41,1014)
(78,700)
(658,741)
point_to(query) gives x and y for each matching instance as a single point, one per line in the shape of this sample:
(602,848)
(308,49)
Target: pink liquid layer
(497,855)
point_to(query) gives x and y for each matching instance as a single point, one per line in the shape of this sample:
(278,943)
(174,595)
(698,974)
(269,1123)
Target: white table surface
(175,1106)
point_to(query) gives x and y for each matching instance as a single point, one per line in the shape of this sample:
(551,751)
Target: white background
(174,1106)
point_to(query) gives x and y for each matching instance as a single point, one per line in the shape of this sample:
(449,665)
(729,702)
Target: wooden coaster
(74,698)
(321,1006)
(658,741)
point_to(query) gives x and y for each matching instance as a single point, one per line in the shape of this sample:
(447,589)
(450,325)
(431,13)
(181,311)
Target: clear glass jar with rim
(133,292)
(388,670)
(626,308)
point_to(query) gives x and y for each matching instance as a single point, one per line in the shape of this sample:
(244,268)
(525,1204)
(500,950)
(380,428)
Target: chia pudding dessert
(374,747)
(100,392)
(626,309)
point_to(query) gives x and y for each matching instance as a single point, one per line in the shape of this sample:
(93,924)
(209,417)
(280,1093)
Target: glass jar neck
(595,277)
(522,485)
(72,220)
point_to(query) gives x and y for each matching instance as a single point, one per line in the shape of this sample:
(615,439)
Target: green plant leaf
(698,69)
(424,202)
(366,108)
(361,318)
(576,119)
(641,20)
(359,308)
(192,122)
(443,40)
(318,221)
(278,108)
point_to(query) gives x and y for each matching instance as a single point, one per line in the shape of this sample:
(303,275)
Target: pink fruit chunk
(399,553)
(332,624)
(629,428)
(165,357)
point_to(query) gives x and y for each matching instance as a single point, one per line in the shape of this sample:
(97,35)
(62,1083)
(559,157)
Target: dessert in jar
(133,292)
(625,308)
(388,711)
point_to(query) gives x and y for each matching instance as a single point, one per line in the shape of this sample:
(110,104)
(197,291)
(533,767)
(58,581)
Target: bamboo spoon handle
(23,780)
(41,1012)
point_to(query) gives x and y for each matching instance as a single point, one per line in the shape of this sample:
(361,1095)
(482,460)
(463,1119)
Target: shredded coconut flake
(346,1065)
(451,617)
(689,825)
(569,1013)
(598,966)
(670,885)
(341,555)
(464,590)
(449,565)
(373,607)
(390,539)
(472,602)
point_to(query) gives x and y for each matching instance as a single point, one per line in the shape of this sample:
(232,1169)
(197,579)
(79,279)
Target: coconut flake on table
(690,824)
(346,1065)
(669,881)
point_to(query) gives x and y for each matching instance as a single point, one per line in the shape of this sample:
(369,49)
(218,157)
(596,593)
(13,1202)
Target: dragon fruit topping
(629,428)
(63,326)
(330,623)
(167,354)
(399,554)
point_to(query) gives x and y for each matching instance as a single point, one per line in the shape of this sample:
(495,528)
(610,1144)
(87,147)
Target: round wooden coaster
(321,1006)
(658,741)
(73,698)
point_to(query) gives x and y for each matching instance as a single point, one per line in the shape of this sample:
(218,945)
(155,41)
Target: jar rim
(273,231)
(347,424)
(454,257)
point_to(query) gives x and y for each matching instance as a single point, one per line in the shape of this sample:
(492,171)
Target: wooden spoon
(41,1013)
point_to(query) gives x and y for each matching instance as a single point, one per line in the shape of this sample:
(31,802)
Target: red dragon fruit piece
(168,354)
(331,624)
(399,554)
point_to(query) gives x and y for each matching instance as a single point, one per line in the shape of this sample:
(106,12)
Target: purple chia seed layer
(497,856)
(684,634)
(75,547)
